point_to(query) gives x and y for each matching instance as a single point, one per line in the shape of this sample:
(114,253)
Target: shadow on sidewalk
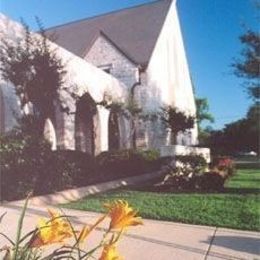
(242,244)
(250,245)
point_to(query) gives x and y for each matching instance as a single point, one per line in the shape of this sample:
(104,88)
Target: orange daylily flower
(122,215)
(110,253)
(53,230)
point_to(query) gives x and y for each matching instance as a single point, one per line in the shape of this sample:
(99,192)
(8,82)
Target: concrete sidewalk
(155,240)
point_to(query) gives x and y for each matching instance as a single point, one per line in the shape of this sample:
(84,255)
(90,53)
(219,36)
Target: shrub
(210,181)
(223,165)
(149,155)
(64,170)
(28,164)
(127,162)
(175,182)
(21,158)
(189,174)
(176,120)
(190,164)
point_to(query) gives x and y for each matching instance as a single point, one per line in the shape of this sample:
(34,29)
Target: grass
(237,207)
(245,179)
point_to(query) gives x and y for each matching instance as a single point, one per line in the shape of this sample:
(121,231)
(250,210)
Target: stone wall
(172,150)
(82,77)
(103,54)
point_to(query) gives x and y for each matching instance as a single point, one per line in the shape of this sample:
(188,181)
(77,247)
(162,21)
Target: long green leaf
(6,237)
(57,253)
(2,216)
(19,228)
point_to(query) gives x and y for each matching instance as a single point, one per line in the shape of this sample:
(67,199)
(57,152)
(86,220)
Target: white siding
(168,75)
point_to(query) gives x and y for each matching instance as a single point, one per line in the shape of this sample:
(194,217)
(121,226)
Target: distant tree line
(243,134)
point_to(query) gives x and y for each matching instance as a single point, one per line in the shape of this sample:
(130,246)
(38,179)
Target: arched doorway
(85,122)
(50,133)
(113,131)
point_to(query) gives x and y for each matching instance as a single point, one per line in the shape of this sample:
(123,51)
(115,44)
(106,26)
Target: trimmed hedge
(127,162)
(28,164)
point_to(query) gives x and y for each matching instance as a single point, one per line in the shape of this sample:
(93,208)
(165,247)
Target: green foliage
(248,65)
(203,114)
(253,113)
(204,135)
(21,158)
(176,120)
(34,69)
(128,162)
(29,125)
(190,174)
(210,182)
(241,135)
(237,207)
(28,164)
(196,163)
(149,155)
(223,165)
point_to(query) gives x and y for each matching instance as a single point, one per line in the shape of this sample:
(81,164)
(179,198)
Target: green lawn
(245,179)
(237,207)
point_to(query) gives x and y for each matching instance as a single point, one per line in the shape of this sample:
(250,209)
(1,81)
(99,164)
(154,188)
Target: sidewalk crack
(211,243)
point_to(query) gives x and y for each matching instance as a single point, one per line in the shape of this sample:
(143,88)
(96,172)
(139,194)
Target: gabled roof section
(134,31)
(102,34)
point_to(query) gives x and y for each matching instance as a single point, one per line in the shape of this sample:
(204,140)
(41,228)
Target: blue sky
(210,29)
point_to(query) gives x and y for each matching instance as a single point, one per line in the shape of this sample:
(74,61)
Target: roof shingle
(134,30)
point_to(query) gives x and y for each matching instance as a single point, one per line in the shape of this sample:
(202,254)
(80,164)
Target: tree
(241,135)
(177,121)
(36,72)
(203,114)
(248,66)
(244,133)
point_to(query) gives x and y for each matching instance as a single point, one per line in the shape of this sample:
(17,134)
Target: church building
(131,55)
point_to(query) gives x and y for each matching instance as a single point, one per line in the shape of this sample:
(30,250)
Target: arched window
(85,122)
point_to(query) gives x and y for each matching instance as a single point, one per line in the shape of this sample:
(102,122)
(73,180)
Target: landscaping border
(78,193)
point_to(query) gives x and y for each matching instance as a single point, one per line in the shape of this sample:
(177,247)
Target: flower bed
(70,242)
(191,173)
